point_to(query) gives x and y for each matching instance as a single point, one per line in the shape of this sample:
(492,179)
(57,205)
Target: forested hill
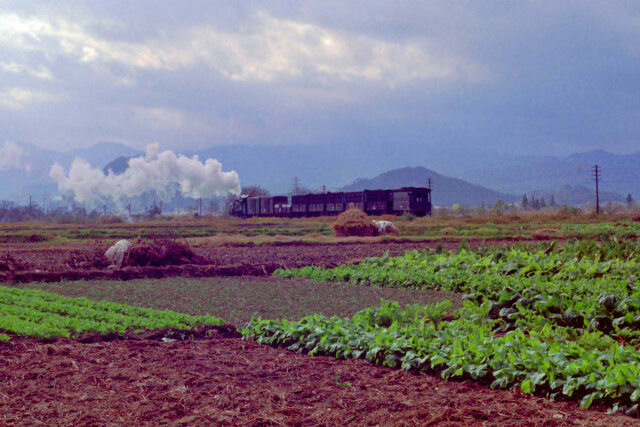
(446,190)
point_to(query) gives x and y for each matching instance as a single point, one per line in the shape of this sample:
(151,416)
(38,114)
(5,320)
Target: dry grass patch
(448,230)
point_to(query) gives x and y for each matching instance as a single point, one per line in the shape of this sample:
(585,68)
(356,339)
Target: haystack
(158,253)
(353,222)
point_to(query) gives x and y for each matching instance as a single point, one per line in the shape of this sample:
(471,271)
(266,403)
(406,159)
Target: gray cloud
(267,50)
(521,77)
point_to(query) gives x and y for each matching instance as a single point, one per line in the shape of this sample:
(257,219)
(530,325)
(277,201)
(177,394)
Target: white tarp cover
(384,226)
(115,254)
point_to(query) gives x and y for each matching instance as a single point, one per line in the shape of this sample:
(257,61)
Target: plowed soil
(227,381)
(84,260)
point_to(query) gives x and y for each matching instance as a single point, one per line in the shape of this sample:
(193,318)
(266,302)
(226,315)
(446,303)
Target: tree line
(537,204)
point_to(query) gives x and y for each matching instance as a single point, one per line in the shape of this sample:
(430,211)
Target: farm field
(537,321)
(85,260)
(54,252)
(560,320)
(525,226)
(212,377)
(237,299)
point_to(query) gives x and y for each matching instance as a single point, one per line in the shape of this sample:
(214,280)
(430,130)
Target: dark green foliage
(466,349)
(561,311)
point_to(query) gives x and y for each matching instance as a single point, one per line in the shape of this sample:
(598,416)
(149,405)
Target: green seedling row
(26,312)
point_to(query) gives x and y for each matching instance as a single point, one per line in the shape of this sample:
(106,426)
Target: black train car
(355,197)
(248,207)
(266,206)
(376,202)
(281,206)
(334,203)
(316,204)
(420,201)
(253,206)
(414,200)
(299,205)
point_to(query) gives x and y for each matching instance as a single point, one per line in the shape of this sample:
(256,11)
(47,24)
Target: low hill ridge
(446,190)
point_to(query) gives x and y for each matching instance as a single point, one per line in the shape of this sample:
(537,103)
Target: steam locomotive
(414,200)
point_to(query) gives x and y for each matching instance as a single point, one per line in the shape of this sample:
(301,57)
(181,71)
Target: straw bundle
(353,222)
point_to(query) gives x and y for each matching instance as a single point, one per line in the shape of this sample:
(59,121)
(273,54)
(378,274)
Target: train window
(400,201)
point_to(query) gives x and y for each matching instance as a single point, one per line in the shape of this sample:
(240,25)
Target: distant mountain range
(332,166)
(480,176)
(446,192)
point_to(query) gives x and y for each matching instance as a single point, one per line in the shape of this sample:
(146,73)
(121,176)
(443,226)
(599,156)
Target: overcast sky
(519,77)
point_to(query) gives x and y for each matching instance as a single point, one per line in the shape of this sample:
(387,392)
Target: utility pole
(596,176)
(429,197)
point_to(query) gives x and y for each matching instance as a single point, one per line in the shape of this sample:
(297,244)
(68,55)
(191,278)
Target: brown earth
(227,381)
(84,260)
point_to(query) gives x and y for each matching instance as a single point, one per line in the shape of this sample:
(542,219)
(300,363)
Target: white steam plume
(161,172)
(11,156)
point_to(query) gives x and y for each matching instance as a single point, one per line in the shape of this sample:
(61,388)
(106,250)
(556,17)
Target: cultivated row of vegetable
(586,285)
(27,312)
(561,321)
(467,347)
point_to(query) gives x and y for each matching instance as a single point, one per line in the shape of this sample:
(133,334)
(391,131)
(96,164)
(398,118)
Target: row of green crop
(600,229)
(590,368)
(26,312)
(586,285)
(562,313)
(455,271)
